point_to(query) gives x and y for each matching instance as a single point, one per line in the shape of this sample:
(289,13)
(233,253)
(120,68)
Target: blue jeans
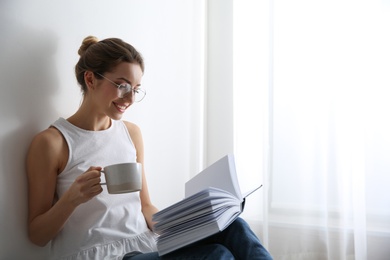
(235,242)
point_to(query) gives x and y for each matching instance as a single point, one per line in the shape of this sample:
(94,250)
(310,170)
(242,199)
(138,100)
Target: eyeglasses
(125,88)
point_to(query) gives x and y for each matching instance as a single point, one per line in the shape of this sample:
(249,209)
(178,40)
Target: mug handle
(103,183)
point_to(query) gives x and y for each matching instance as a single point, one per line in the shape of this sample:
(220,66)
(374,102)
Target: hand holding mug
(85,187)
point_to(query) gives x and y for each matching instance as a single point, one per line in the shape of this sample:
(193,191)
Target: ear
(89,79)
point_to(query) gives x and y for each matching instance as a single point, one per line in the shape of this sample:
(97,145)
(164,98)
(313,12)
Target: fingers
(91,181)
(88,192)
(86,186)
(97,168)
(92,173)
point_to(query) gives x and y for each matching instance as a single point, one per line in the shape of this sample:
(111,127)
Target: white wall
(39,47)
(219,111)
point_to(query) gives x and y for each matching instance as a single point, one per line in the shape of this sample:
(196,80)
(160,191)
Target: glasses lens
(123,90)
(138,93)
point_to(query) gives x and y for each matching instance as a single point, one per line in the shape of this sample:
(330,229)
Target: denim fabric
(236,242)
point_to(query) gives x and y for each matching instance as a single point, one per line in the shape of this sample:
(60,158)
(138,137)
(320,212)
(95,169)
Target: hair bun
(87,42)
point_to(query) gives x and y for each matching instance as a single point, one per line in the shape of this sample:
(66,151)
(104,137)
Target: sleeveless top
(109,225)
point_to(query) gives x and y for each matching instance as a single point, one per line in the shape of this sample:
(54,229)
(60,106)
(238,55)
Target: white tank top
(108,226)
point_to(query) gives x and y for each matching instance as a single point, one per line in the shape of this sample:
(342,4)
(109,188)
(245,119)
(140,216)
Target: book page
(194,218)
(246,194)
(221,174)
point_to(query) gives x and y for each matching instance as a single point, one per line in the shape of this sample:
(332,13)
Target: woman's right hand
(85,187)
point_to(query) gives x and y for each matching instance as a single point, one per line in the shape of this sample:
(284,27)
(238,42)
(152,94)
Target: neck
(88,118)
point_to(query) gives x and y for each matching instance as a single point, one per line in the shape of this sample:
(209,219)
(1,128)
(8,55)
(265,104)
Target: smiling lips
(121,108)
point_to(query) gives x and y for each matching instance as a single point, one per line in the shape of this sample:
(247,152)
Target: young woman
(67,205)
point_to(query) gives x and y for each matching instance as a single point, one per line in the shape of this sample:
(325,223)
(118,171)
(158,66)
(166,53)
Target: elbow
(37,239)
(37,242)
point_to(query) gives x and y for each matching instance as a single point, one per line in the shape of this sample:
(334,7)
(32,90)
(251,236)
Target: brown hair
(102,56)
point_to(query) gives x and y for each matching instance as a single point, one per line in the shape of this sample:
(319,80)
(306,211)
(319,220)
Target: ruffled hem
(145,242)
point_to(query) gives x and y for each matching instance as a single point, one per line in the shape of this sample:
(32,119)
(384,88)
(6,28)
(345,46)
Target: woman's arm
(46,158)
(148,209)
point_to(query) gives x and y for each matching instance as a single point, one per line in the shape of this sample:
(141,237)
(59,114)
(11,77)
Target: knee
(240,224)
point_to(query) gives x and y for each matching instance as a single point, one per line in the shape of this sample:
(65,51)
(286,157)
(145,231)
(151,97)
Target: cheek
(108,93)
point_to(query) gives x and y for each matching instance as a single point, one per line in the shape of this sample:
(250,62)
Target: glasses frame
(127,87)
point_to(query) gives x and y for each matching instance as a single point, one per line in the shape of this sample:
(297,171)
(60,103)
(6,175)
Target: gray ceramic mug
(123,178)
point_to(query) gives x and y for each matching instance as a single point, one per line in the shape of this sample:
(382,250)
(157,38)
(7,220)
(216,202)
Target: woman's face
(107,94)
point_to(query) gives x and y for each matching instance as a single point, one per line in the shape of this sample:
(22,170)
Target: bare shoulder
(134,131)
(49,146)
(136,137)
(131,126)
(50,139)
(49,134)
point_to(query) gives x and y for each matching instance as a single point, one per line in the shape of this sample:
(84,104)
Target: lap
(236,240)
(198,252)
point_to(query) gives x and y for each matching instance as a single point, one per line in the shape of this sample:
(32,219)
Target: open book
(213,200)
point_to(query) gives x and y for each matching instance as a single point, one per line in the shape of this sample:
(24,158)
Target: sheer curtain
(312,118)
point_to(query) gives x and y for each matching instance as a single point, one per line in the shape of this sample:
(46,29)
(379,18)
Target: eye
(124,86)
